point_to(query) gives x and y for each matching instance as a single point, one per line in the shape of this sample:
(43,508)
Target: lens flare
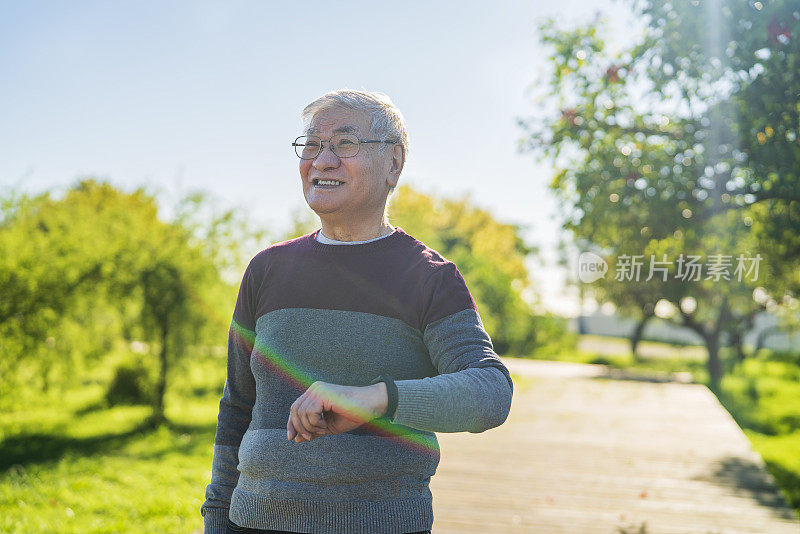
(294,377)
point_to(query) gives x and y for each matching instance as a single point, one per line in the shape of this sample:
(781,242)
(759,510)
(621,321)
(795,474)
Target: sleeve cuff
(415,403)
(215,520)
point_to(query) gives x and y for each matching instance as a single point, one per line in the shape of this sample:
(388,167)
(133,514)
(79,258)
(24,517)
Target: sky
(184,95)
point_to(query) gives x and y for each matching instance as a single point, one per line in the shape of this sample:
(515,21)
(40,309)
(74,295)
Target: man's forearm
(471,400)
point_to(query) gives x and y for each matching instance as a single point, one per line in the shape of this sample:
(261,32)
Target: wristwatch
(391,391)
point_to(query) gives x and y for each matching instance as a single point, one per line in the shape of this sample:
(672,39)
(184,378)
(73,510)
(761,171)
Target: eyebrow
(340,129)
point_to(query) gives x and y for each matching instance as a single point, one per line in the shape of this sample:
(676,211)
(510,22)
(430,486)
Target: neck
(355,231)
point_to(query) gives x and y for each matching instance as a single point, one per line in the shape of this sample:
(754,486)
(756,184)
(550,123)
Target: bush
(781,356)
(553,336)
(132,384)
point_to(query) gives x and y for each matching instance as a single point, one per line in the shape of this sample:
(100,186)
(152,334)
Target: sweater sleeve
(235,410)
(473,389)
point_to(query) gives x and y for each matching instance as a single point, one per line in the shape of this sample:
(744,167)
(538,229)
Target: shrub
(132,384)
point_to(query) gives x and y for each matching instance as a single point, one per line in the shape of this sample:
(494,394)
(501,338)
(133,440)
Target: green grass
(72,465)
(615,353)
(763,395)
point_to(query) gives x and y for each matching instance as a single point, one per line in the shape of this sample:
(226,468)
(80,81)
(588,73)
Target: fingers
(294,420)
(306,419)
(310,414)
(291,433)
(294,430)
(295,435)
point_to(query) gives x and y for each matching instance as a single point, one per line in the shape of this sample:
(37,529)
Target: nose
(326,159)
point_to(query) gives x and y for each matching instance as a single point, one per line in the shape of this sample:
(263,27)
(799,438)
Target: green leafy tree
(654,150)
(85,275)
(59,256)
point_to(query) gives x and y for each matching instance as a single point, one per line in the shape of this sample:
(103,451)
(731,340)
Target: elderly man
(349,347)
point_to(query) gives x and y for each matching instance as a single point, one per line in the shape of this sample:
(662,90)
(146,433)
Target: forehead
(338,120)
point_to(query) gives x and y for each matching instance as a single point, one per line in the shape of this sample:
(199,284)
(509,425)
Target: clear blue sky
(189,94)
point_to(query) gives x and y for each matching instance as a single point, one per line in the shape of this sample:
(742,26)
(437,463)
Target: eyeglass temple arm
(360,140)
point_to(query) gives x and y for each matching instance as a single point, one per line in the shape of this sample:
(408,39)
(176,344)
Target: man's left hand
(327,409)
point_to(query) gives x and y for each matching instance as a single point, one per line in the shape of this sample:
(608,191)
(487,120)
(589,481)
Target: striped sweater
(309,311)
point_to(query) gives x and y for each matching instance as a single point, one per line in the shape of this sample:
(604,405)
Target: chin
(322,207)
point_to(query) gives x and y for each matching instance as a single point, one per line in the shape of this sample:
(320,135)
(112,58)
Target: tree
(91,272)
(742,82)
(651,149)
(59,254)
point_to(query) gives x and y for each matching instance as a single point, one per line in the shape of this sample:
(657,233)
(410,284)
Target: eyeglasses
(342,144)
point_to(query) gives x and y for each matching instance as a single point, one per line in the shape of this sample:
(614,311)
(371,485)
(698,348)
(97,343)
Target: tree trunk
(161,384)
(712,344)
(637,336)
(763,334)
(714,363)
(581,324)
(736,342)
(711,337)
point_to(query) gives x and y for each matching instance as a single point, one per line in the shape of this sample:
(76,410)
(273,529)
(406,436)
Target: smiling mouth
(326,183)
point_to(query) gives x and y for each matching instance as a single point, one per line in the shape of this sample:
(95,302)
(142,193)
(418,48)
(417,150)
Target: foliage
(553,336)
(60,258)
(657,153)
(132,384)
(97,271)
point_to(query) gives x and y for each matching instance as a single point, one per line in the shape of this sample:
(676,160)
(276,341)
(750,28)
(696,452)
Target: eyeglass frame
(322,148)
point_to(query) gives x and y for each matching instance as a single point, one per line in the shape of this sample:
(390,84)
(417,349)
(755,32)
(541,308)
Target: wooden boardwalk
(582,454)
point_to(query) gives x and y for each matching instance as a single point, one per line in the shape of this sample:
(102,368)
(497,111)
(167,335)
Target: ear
(397,162)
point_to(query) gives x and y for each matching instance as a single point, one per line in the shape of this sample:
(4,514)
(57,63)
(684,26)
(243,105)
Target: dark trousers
(233,528)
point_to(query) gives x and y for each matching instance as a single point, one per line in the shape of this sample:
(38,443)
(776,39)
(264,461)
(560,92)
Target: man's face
(363,177)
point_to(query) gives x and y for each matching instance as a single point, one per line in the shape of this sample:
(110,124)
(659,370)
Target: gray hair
(387,121)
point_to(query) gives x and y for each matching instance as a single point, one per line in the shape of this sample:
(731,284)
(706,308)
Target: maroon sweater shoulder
(397,276)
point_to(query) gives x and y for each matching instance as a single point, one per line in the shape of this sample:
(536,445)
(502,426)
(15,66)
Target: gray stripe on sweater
(353,482)
(472,393)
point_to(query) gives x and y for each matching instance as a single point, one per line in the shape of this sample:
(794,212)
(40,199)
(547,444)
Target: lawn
(763,395)
(72,465)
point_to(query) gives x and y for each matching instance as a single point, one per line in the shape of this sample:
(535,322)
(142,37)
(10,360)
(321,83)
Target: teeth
(328,182)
